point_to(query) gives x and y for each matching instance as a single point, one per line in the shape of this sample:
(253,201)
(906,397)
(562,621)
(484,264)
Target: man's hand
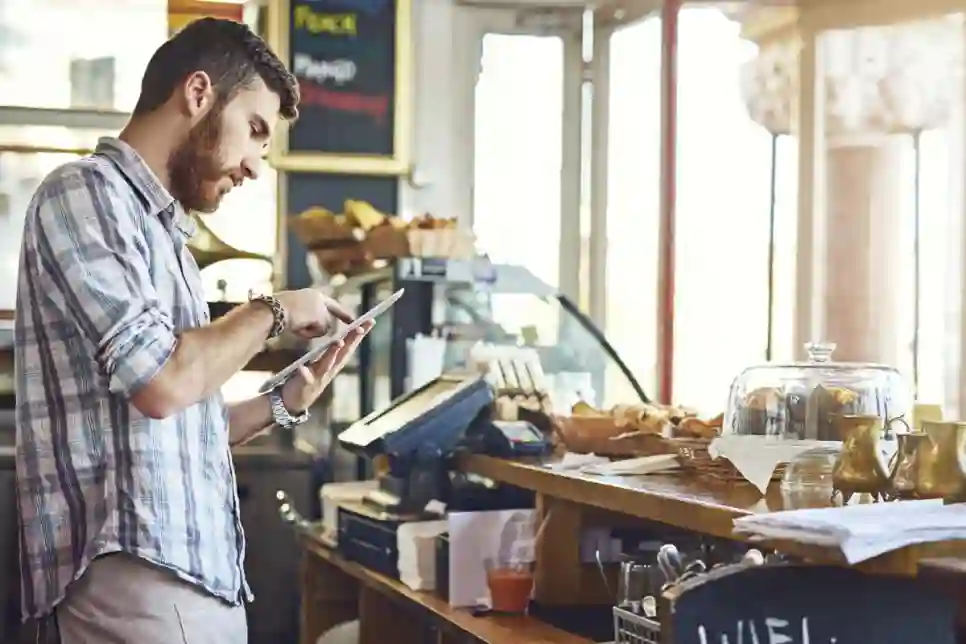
(311,314)
(304,389)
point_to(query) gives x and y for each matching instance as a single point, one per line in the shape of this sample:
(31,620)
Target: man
(130,529)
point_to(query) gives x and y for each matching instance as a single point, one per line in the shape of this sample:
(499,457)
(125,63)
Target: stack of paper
(862,531)
(417,553)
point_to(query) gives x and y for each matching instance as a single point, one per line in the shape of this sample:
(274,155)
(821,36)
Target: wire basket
(631,628)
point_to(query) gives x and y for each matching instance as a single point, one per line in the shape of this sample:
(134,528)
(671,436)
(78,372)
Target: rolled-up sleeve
(94,256)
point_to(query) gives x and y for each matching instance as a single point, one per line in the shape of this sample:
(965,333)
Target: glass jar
(800,401)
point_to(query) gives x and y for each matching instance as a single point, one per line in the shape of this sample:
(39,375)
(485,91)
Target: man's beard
(196,163)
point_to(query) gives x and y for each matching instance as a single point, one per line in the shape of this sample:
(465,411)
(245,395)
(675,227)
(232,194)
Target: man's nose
(252,168)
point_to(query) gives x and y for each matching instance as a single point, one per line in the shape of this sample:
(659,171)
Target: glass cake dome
(799,401)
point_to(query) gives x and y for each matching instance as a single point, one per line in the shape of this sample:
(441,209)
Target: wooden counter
(335,590)
(675,500)
(680,501)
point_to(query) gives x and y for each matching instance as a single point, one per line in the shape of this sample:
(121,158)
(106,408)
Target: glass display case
(464,303)
(801,400)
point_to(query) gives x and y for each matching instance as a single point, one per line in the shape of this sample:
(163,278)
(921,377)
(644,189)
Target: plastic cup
(510,584)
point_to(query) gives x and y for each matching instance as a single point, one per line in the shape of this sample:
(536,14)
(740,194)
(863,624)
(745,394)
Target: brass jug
(904,479)
(940,466)
(862,467)
(208,248)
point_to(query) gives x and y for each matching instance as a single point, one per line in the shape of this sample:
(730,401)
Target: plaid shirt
(106,282)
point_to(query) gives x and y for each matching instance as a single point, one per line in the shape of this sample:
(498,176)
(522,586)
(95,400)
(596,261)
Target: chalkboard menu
(305,190)
(806,605)
(344,54)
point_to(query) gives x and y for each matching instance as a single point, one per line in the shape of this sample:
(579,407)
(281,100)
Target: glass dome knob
(819,351)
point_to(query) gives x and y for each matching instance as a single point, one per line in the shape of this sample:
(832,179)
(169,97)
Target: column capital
(888,79)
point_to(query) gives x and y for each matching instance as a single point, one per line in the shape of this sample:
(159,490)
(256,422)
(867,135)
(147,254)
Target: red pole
(669,91)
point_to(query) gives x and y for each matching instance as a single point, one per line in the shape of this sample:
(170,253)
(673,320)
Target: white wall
(446,44)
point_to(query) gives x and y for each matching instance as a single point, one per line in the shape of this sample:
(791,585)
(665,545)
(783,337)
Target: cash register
(418,433)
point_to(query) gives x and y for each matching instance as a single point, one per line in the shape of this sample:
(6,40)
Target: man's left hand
(311,380)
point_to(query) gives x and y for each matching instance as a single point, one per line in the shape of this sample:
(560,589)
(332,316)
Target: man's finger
(307,374)
(339,311)
(311,331)
(328,359)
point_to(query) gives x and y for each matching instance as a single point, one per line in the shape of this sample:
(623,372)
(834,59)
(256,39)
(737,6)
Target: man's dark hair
(229,52)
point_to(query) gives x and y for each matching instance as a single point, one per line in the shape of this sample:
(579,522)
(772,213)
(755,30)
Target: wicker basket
(694,458)
(606,436)
(345,260)
(386,242)
(315,231)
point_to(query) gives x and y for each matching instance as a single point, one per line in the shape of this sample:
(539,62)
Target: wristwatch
(280,413)
(279,318)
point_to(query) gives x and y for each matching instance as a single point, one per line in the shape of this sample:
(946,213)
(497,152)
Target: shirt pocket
(177,281)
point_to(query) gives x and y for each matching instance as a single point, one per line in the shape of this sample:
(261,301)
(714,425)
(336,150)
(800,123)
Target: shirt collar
(159,201)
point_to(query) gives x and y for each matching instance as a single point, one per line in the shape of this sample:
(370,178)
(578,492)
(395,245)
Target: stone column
(862,254)
(854,87)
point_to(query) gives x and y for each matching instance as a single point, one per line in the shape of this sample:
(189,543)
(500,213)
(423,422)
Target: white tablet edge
(325,342)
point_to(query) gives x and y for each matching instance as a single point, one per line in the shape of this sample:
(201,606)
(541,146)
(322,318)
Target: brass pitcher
(904,479)
(941,460)
(862,467)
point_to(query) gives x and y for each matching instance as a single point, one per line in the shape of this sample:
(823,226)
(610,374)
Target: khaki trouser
(121,599)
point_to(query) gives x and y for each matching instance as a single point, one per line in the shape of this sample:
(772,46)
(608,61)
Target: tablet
(326,341)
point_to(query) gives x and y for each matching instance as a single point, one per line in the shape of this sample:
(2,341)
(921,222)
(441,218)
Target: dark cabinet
(9,564)
(272,560)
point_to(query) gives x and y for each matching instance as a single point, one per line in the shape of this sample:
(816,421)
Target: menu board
(330,191)
(798,604)
(344,54)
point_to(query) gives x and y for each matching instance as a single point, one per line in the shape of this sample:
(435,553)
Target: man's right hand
(310,313)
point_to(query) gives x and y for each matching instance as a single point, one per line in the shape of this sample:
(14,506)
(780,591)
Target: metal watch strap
(278,312)
(280,413)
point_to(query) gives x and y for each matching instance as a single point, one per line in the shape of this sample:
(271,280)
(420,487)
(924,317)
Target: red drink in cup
(510,585)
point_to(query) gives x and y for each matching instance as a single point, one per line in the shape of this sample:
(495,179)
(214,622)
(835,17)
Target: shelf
(492,629)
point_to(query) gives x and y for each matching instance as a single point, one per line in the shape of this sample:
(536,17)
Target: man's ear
(199,94)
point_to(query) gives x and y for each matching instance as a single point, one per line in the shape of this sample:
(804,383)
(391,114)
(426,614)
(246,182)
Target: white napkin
(756,457)
(635,466)
(573,462)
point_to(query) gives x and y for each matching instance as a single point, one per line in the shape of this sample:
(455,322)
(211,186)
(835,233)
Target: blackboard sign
(330,191)
(799,604)
(350,57)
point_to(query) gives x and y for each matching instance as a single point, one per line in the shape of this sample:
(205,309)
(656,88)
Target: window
(517,159)
(721,250)
(935,208)
(97,66)
(633,201)
(786,233)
